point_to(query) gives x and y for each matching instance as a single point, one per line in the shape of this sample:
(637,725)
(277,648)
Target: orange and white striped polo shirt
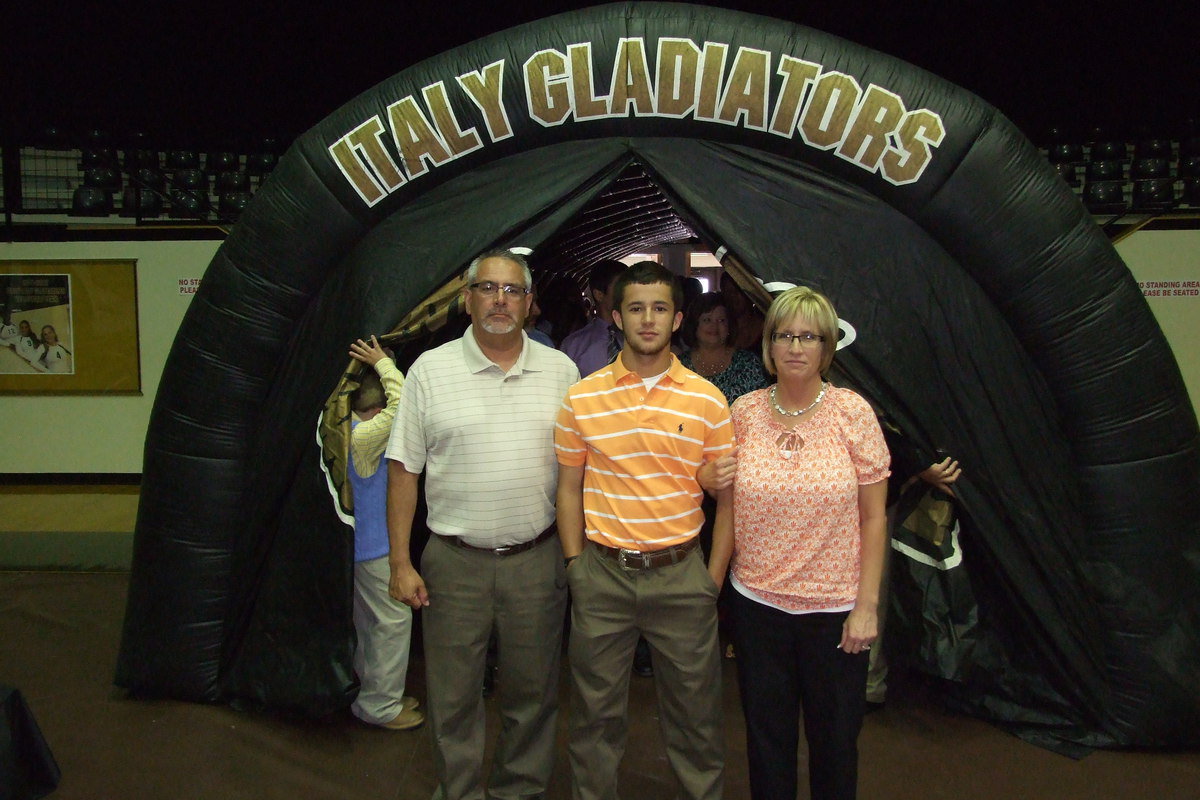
(641,450)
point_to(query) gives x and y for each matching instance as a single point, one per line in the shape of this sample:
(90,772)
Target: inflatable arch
(993,319)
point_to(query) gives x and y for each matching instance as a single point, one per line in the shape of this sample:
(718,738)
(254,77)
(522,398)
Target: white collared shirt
(484,437)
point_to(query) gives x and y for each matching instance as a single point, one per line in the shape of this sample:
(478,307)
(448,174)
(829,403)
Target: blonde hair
(808,305)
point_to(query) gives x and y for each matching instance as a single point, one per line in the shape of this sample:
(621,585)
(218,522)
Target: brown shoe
(409,703)
(406,720)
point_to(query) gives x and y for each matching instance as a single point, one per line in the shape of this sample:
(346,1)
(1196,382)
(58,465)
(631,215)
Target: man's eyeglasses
(488,288)
(806,340)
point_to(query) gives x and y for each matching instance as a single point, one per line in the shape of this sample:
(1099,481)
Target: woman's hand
(859,631)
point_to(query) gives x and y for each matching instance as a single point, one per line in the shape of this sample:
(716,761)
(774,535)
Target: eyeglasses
(510,289)
(806,340)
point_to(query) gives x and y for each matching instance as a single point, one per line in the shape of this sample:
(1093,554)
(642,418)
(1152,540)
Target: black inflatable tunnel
(992,319)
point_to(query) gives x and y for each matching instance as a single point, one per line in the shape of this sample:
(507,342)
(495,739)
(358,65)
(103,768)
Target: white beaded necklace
(779,408)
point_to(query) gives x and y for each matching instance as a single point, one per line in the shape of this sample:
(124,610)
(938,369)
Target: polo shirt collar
(676,372)
(478,362)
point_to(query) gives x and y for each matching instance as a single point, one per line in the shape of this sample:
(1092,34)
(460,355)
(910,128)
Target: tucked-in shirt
(485,439)
(797,537)
(641,449)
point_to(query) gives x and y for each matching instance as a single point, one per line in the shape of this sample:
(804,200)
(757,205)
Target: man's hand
(369,354)
(719,473)
(942,474)
(407,586)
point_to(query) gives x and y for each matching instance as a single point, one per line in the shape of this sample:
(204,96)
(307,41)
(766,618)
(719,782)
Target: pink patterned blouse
(795,500)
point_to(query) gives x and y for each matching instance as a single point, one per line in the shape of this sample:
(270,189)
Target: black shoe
(642,665)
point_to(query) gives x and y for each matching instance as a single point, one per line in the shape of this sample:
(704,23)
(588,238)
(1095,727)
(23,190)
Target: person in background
(27,342)
(746,319)
(906,471)
(383,624)
(50,353)
(563,308)
(709,333)
(532,328)
(809,547)
(597,343)
(8,331)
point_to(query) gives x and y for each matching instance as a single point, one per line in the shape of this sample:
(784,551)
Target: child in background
(383,625)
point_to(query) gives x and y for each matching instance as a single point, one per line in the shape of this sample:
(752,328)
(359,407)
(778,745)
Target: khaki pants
(675,609)
(384,628)
(523,597)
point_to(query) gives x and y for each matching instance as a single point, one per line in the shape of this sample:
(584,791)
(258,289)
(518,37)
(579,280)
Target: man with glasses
(477,416)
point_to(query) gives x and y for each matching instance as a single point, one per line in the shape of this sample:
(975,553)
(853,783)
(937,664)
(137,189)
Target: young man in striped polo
(630,440)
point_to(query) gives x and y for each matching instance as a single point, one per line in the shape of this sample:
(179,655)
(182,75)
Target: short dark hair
(646,273)
(700,306)
(604,273)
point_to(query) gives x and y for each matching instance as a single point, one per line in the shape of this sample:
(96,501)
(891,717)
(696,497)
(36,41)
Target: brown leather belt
(650,559)
(506,550)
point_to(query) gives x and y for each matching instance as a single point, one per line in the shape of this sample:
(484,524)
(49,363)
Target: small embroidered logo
(681,427)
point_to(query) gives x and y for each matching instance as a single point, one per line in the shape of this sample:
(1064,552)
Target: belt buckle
(624,556)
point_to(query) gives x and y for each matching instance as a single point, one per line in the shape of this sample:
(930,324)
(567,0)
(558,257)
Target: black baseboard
(70,478)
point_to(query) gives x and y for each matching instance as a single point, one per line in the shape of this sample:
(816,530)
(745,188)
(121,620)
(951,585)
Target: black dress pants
(787,662)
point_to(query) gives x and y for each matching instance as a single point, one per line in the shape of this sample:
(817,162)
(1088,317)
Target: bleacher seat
(261,161)
(1152,147)
(149,178)
(237,180)
(1105,170)
(102,178)
(1190,195)
(231,204)
(189,203)
(221,161)
(1153,194)
(1065,153)
(136,159)
(1104,197)
(141,203)
(183,159)
(1150,167)
(1109,150)
(1067,171)
(91,201)
(189,179)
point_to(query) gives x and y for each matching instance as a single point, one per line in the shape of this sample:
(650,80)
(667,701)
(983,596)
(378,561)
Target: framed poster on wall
(69,326)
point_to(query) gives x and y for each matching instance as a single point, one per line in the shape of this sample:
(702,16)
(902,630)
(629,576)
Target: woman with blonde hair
(809,545)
